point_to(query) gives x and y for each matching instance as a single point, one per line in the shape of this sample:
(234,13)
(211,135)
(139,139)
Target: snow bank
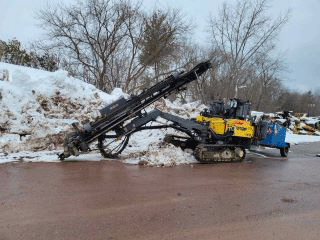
(186,110)
(38,106)
(297,138)
(158,155)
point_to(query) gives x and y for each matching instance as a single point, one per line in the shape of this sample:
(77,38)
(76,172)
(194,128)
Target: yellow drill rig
(230,132)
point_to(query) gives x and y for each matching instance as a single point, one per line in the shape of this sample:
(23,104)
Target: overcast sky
(299,39)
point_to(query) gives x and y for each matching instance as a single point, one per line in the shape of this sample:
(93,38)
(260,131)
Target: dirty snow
(37,108)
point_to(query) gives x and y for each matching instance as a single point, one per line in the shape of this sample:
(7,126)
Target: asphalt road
(264,197)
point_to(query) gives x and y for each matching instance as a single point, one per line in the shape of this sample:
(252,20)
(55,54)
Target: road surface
(264,197)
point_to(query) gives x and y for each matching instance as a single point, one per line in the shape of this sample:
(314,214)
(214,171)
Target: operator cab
(233,108)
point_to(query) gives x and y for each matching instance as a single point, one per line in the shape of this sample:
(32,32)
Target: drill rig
(230,132)
(212,138)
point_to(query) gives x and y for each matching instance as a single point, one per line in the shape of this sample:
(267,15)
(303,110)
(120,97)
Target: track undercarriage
(209,152)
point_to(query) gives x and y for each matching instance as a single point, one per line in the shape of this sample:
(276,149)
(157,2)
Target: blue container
(275,136)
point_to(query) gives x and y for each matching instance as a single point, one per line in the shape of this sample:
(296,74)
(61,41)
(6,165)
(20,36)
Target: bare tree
(267,70)
(112,43)
(241,32)
(91,33)
(163,37)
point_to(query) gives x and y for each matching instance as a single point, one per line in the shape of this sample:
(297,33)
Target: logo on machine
(269,131)
(239,122)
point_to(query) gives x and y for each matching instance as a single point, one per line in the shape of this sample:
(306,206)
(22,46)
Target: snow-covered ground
(295,138)
(37,108)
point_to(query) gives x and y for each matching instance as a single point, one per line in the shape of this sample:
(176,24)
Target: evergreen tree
(13,53)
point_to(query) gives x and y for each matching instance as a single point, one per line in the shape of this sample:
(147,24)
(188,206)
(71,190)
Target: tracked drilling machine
(230,132)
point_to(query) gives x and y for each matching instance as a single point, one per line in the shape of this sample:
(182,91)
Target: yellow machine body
(218,125)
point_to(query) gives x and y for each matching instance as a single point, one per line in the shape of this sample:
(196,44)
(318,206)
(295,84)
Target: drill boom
(115,114)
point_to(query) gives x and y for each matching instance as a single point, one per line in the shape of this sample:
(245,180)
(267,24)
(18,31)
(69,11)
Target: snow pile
(186,110)
(256,114)
(162,156)
(38,106)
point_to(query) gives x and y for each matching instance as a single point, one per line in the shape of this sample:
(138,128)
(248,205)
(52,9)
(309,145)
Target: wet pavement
(264,197)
